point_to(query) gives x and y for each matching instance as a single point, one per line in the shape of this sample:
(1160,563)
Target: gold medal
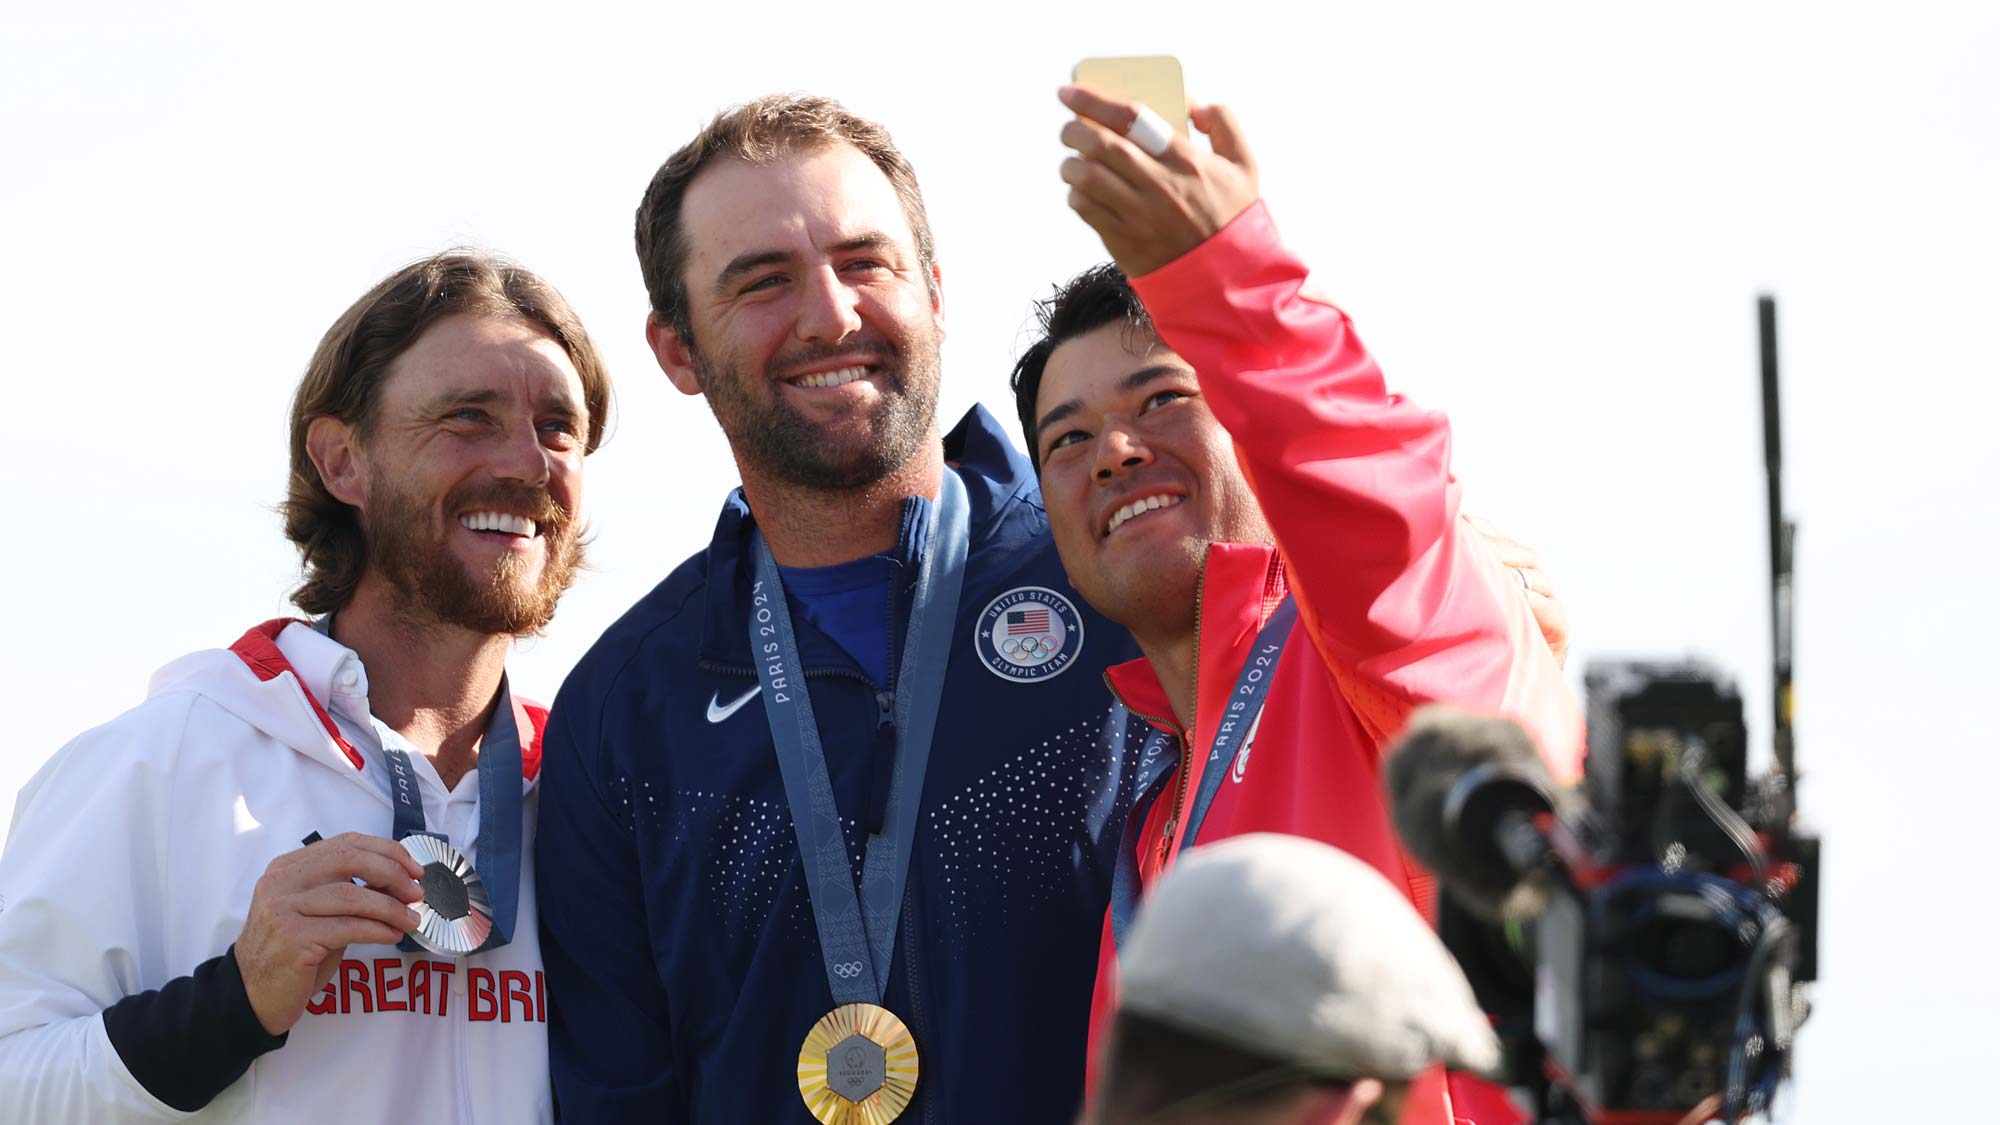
(858,1066)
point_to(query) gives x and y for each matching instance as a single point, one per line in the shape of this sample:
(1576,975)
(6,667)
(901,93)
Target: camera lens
(1688,950)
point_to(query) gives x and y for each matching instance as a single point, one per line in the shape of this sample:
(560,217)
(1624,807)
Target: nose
(1119,450)
(521,456)
(829,309)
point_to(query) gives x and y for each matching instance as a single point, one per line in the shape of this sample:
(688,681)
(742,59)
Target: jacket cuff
(1248,241)
(188,1040)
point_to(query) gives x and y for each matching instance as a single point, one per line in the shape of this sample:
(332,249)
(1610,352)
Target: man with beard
(957,814)
(829,817)
(201,903)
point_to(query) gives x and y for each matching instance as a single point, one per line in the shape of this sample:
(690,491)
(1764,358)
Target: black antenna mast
(1783,532)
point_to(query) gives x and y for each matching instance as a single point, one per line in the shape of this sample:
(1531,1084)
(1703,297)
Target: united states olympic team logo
(1029,633)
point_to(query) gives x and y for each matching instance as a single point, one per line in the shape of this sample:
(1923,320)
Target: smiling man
(1227,476)
(167,945)
(753,911)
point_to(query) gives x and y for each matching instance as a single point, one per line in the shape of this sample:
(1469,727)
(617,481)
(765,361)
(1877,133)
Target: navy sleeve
(188,1040)
(610,1052)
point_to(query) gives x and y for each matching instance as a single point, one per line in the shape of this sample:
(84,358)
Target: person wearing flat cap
(1274,980)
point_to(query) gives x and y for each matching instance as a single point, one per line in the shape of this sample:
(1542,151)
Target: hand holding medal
(455,915)
(308,907)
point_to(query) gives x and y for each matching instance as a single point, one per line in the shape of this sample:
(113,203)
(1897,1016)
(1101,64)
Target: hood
(253,680)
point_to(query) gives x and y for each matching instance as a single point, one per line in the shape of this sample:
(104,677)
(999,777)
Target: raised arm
(1405,601)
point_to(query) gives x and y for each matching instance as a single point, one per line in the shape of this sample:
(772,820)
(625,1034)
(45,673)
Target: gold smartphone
(1150,80)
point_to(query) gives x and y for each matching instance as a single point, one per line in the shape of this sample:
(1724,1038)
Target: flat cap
(1287,948)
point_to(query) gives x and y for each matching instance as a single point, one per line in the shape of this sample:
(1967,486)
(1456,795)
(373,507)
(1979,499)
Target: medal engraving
(445,893)
(855,1067)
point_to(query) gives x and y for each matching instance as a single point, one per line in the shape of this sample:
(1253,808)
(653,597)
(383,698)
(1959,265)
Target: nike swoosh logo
(718,711)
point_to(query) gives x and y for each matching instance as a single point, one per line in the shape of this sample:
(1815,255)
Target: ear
(937,297)
(336,453)
(1354,1105)
(673,355)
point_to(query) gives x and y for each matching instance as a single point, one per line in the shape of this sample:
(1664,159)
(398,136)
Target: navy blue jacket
(683,964)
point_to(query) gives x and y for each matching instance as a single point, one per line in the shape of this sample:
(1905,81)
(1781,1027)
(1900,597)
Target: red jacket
(1400,602)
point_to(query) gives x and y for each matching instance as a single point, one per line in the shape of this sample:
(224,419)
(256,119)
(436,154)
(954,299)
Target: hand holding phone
(1150,209)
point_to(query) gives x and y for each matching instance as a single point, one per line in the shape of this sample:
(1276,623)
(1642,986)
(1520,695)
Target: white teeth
(498,521)
(1147,504)
(833,378)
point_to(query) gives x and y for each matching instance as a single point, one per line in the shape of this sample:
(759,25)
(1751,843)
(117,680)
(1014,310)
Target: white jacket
(132,858)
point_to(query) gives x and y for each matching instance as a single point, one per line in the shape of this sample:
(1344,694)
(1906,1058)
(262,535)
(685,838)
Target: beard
(779,441)
(432,586)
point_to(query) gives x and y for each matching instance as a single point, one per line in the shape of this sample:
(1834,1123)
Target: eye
(1162,398)
(470,415)
(1066,438)
(767,282)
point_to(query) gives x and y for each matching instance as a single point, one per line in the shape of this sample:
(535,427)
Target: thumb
(324,972)
(1225,136)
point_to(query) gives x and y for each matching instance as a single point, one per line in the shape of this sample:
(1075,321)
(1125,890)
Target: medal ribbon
(857,933)
(1246,701)
(499,844)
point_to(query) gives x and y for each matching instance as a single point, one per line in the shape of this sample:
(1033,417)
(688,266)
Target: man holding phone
(1227,476)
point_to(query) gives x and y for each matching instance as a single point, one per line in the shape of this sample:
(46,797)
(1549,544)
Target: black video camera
(1667,967)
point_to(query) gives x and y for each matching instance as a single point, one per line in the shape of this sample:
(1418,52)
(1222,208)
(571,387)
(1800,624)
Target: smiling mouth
(502,523)
(838,378)
(1139,508)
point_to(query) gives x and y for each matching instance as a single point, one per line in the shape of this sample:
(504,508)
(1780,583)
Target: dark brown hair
(1096,297)
(351,365)
(758,132)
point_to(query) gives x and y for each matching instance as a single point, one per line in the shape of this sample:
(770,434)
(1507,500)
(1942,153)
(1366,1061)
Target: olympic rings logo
(847,970)
(1028,648)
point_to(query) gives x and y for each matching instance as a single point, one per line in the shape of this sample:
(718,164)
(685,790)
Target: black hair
(1092,299)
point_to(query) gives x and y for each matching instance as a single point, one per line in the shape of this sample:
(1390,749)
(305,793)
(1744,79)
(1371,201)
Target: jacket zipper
(810,673)
(1187,736)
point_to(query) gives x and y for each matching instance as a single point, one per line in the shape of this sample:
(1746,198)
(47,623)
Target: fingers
(1109,112)
(336,934)
(1094,144)
(1225,136)
(1112,119)
(345,900)
(377,862)
(1103,190)
(1552,617)
(1101,219)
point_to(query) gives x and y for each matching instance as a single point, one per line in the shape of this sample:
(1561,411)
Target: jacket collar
(994,472)
(260,651)
(1241,583)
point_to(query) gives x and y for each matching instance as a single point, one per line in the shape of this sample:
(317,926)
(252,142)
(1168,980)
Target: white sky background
(1549,220)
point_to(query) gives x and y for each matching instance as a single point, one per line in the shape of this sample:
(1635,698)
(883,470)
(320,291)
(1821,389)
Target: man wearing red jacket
(1227,476)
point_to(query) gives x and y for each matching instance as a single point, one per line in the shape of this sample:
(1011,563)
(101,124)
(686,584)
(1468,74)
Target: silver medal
(456,914)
